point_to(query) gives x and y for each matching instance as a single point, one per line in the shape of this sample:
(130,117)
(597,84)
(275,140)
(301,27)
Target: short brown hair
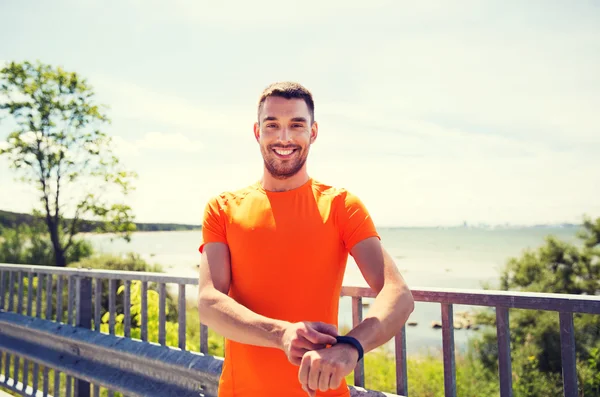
(288,90)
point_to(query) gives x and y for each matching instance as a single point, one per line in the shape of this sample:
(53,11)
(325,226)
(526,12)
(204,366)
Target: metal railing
(565,305)
(84,309)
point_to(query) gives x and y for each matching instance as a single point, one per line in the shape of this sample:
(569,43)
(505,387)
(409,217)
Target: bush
(555,267)
(31,245)
(426,374)
(130,262)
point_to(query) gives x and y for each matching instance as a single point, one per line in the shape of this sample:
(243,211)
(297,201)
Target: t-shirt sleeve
(355,221)
(213,224)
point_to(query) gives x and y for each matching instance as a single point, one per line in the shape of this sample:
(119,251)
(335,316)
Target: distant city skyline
(433,114)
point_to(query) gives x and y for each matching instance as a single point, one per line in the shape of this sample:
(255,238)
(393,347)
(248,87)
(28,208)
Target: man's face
(284,134)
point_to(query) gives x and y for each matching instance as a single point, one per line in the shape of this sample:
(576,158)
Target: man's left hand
(326,368)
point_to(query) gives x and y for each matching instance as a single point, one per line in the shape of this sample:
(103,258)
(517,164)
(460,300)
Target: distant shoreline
(13,219)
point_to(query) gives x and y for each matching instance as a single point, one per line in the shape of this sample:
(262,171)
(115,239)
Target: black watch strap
(352,341)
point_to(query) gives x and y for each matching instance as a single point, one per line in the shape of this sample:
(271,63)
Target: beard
(283,169)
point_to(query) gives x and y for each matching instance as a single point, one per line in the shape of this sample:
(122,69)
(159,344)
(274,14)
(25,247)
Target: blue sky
(432,113)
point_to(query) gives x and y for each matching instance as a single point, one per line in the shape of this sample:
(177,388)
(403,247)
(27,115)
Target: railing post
(504,358)
(448,347)
(84,320)
(357,317)
(162,316)
(401,368)
(567,350)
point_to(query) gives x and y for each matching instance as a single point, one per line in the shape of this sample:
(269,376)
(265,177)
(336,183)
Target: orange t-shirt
(288,257)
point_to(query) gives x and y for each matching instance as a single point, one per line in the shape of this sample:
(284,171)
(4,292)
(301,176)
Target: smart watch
(352,341)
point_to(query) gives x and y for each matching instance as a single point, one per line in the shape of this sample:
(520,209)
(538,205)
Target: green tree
(555,267)
(56,145)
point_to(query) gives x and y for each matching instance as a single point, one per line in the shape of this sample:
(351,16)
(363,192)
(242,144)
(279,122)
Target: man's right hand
(299,338)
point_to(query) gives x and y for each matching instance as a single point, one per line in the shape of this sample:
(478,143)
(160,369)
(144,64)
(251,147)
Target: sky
(433,113)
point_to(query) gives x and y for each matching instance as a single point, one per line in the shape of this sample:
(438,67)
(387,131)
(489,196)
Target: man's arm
(394,302)
(324,369)
(238,323)
(222,313)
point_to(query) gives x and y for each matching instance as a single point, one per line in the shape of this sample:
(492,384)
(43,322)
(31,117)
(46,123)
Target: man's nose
(284,134)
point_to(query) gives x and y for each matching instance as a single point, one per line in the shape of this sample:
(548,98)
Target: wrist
(353,343)
(279,331)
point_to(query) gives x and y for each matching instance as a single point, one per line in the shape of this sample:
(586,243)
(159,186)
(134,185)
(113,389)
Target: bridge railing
(117,364)
(564,305)
(22,288)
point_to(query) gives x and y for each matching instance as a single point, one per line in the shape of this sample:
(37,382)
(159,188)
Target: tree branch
(73,226)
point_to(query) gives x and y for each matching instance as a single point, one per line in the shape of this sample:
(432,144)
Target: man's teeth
(284,152)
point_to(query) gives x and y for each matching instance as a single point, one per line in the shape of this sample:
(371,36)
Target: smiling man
(273,260)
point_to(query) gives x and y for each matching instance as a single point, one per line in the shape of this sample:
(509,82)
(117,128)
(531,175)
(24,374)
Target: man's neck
(269,183)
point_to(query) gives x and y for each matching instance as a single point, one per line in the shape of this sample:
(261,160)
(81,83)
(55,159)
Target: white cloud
(174,142)
(243,14)
(543,84)
(169,141)
(135,102)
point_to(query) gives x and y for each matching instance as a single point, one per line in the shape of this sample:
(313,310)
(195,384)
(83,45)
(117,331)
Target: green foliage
(31,245)
(132,263)
(426,374)
(528,380)
(215,342)
(589,375)
(58,148)
(556,267)
(172,328)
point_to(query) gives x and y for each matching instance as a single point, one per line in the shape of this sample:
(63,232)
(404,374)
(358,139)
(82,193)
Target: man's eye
(297,126)
(271,125)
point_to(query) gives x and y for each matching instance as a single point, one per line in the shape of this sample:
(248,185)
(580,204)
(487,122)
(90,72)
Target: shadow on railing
(84,297)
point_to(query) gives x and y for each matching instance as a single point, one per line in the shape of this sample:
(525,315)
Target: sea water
(459,257)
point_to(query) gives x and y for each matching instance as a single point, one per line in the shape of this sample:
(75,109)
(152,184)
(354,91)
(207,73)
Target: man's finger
(313,375)
(303,371)
(335,381)
(296,355)
(306,344)
(326,328)
(324,378)
(317,337)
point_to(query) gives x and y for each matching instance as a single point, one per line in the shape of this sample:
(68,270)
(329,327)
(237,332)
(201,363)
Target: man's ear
(256,131)
(314,131)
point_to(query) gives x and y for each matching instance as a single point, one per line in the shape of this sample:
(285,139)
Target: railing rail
(120,364)
(81,295)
